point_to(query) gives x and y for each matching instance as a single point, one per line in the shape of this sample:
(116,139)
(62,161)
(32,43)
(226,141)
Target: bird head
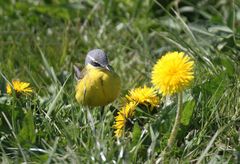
(97,58)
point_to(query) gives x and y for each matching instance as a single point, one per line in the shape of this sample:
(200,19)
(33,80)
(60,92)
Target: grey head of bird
(97,58)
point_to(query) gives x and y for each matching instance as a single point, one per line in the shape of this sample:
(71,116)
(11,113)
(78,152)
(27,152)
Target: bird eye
(95,64)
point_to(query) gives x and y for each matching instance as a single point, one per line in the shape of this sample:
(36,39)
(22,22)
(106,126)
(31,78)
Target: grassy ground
(41,40)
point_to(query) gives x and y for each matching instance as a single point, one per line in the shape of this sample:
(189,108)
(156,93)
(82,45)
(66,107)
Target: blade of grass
(49,69)
(15,136)
(55,100)
(209,145)
(53,151)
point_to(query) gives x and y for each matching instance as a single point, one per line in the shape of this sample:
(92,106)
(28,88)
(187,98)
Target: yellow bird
(98,84)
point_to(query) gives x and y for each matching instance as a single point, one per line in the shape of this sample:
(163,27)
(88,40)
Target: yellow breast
(98,87)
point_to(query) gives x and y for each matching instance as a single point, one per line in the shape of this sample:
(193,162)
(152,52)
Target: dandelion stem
(174,131)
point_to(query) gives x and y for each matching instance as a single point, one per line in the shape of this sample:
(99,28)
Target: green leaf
(218,28)
(27,134)
(214,87)
(54,11)
(187,112)
(11,113)
(136,133)
(229,65)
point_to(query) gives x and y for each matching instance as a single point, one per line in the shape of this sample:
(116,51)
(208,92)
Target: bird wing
(79,74)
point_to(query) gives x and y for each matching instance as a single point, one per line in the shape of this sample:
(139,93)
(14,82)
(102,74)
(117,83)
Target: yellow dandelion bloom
(19,87)
(144,95)
(173,73)
(123,118)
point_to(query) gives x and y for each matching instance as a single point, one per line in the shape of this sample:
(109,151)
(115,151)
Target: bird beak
(108,67)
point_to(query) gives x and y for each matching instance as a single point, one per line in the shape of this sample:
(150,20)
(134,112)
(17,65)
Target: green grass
(40,42)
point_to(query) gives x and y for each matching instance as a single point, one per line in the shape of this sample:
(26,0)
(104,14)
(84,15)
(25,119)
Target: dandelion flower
(172,73)
(19,87)
(143,95)
(123,119)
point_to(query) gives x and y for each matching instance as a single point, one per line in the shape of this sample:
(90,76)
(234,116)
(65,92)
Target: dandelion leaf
(187,112)
(136,133)
(27,134)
